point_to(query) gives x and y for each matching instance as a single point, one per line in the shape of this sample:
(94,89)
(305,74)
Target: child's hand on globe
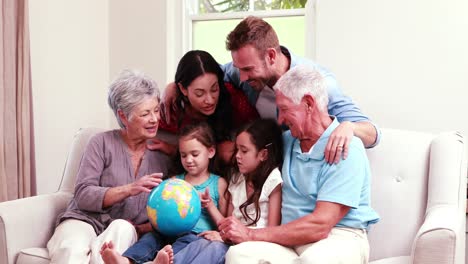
(205,198)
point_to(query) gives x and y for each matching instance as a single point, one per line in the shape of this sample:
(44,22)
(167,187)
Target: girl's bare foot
(111,256)
(165,256)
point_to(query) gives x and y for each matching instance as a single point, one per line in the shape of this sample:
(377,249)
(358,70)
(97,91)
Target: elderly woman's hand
(145,183)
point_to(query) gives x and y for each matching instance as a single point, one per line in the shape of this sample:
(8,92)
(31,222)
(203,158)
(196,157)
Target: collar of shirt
(317,151)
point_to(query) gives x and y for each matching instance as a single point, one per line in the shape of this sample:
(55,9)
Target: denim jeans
(202,251)
(146,248)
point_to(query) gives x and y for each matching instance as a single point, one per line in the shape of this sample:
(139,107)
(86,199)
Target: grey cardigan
(106,163)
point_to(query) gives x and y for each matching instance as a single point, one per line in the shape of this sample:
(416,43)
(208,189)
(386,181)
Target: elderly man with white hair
(326,208)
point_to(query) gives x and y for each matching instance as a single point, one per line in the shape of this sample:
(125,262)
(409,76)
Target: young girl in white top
(254,190)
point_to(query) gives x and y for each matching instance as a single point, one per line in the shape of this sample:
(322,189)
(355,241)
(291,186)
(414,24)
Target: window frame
(179,20)
(191,17)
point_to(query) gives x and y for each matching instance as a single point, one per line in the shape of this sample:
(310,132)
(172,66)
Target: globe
(173,207)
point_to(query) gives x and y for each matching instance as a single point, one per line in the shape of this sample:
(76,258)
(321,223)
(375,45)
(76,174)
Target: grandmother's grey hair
(129,90)
(304,80)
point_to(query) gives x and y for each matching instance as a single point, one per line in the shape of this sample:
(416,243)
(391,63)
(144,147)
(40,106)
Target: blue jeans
(202,251)
(146,248)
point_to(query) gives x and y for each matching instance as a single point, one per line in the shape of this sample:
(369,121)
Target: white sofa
(26,225)
(418,188)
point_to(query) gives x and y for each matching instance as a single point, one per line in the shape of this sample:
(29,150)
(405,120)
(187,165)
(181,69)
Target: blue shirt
(205,222)
(339,105)
(308,178)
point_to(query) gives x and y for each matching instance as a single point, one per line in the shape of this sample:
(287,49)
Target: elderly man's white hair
(303,80)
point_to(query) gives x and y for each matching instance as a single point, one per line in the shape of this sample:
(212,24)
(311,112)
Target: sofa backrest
(80,140)
(407,176)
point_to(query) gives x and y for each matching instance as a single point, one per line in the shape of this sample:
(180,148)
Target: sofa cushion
(399,188)
(394,260)
(33,256)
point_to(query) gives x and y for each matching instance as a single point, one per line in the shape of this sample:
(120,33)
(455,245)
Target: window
(210,21)
(225,6)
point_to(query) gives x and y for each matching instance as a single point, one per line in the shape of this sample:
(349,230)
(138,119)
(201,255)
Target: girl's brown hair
(264,134)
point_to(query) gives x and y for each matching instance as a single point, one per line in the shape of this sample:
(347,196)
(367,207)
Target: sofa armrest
(29,222)
(437,238)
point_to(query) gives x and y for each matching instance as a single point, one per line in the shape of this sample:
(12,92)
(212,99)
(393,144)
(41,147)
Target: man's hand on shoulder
(338,143)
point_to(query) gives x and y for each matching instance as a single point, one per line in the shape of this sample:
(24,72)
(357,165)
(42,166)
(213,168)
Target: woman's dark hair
(193,64)
(203,133)
(264,134)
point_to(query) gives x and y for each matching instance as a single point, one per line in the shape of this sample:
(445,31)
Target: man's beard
(272,81)
(269,81)
(258,84)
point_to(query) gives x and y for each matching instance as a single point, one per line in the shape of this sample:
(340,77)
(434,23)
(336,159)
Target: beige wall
(70,71)
(77,48)
(404,62)
(137,37)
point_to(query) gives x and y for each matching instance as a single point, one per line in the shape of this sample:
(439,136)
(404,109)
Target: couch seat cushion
(394,260)
(33,256)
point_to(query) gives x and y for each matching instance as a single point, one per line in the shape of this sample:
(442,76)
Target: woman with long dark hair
(203,95)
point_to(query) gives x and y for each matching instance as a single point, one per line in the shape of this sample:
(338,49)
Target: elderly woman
(116,174)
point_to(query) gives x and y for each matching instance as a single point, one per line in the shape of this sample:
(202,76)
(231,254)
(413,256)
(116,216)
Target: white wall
(404,62)
(77,49)
(137,39)
(137,31)
(70,74)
